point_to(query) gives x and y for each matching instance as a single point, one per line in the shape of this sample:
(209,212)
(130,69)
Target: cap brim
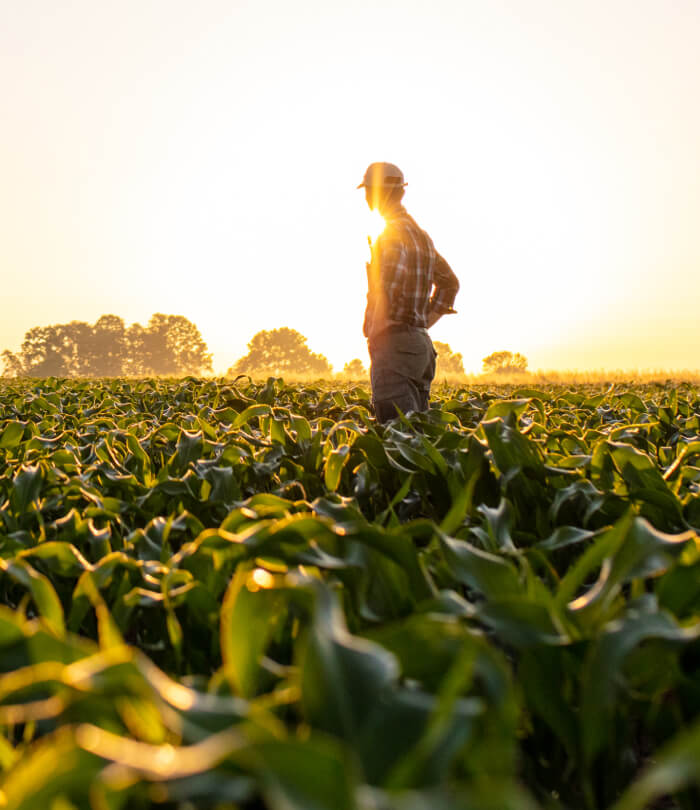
(384,185)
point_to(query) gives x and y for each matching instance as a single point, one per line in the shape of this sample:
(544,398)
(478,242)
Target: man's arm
(445,292)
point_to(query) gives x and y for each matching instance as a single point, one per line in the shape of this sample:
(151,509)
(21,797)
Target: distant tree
(12,364)
(169,345)
(504,363)
(449,363)
(354,370)
(106,350)
(34,353)
(280,351)
(136,362)
(57,350)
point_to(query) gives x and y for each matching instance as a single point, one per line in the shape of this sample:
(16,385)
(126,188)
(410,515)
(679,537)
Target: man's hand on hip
(433,318)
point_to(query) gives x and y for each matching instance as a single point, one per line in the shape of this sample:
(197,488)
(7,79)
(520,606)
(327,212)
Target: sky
(202,159)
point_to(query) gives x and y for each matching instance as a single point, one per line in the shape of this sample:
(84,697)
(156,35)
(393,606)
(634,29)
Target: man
(410,286)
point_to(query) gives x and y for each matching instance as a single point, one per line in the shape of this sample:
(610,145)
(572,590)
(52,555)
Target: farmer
(410,288)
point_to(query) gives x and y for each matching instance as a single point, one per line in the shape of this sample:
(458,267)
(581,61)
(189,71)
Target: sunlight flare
(375,224)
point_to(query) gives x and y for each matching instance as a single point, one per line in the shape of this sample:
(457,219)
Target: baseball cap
(382,174)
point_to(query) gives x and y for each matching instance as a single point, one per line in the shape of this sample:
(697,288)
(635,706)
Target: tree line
(171,345)
(284,351)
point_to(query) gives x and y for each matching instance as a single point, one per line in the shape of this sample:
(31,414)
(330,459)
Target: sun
(374,224)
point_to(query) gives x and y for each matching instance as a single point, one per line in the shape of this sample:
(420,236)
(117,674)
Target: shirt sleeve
(446,288)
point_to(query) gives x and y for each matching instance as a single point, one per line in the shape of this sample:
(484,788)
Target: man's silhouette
(410,287)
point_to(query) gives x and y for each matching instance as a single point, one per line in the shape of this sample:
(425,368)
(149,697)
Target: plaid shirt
(407,278)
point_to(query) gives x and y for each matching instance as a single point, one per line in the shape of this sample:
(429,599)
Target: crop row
(240,595)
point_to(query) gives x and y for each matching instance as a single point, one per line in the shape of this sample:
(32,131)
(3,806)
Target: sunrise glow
(203,160)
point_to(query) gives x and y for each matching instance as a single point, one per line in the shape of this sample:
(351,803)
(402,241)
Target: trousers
(401,371)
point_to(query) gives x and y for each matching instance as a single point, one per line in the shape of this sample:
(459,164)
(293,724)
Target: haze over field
(202,159)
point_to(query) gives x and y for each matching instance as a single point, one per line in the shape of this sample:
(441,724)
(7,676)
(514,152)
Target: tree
(106,349)
(449,363)
(505,363)
(280,351)
(57,350)
(354,370)
(184,342)
(33,354)
(12,364)
(169,345)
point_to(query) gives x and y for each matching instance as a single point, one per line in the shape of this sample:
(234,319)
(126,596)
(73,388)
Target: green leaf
(489,574)
(189,447)
(341,676)
(335,462)
(299,775)
(26,487)
(60,558)
(45,598)
(251,609)
(502,407)
(12,433)
(251,412)
(512,451)
(461,505)
(601,548)
(604,662)
(565,536)
(631,401)
(521,622)
(141,457)
(647,552)
(499,522)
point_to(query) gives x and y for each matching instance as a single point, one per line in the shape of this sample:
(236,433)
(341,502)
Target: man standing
(410,286)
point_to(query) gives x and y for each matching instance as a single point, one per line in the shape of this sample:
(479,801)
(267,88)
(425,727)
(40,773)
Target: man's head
(383,184)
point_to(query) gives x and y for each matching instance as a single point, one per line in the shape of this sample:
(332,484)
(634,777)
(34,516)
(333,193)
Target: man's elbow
(452,288)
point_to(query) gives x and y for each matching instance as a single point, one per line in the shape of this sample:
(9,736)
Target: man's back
(403,271)
(410,286)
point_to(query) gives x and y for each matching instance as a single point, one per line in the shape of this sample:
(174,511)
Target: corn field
(230,595)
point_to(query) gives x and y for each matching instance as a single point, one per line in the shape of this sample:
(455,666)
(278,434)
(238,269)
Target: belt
(404,327)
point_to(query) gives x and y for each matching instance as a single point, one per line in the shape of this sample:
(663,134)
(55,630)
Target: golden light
(552,206)
(375,224)
(260,579)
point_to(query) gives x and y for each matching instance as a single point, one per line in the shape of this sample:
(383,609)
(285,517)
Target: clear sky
(201,159)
